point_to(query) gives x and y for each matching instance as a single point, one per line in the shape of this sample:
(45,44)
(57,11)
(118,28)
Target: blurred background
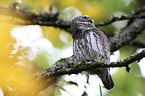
(26,50)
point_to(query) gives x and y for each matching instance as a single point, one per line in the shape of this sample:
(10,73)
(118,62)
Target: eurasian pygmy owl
(91,44)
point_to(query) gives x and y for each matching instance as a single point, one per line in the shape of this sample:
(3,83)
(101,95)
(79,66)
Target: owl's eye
(85,18)
(91,21)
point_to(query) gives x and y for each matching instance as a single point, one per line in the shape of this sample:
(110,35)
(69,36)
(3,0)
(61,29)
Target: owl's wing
(100,50)
(97,42)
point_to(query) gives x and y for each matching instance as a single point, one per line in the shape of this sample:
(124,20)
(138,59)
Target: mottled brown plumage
(91,44)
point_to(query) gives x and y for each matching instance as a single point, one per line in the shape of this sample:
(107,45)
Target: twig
(115,19)
(131,18)
(138,11)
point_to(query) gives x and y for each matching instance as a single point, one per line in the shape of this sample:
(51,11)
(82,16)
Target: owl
(91,44)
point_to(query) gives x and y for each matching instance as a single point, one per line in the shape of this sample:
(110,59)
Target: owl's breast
(94,46)
(89,48)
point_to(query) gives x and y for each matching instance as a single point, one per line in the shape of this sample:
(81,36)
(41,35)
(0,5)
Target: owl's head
(84,18)
(82,23)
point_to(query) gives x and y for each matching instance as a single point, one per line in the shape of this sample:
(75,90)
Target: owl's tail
(105,76)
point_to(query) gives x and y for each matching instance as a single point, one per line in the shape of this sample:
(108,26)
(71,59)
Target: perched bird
(91,44)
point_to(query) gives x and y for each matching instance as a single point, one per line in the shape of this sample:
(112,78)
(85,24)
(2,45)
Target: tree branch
(50,19)
(139,43)
(67,65)
(43,18)
(126,35)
